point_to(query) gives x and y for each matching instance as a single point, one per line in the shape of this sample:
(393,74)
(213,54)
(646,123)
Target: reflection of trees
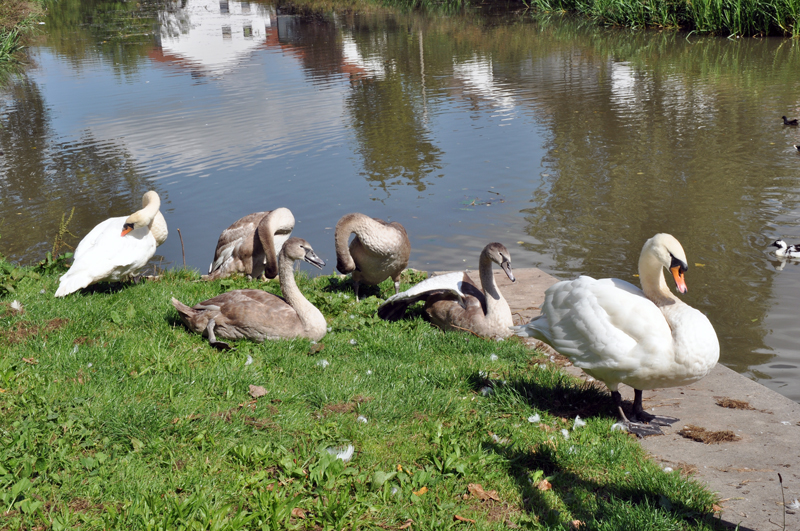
(124,29)
(384,105)
(657,148)
(46,180)
(392,138)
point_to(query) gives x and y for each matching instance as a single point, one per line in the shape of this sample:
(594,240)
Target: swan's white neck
(651,276)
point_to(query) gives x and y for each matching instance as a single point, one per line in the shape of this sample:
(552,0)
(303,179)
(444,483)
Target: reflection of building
(477,78)
(212,35)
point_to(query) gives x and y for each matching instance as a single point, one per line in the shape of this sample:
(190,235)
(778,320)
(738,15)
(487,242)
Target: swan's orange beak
(677,274)
(126,228)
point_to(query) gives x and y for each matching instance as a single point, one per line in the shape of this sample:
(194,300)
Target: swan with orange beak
(117,248)
(646,338)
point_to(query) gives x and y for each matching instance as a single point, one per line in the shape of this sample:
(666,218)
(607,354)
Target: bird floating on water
(785,250)
(793,121)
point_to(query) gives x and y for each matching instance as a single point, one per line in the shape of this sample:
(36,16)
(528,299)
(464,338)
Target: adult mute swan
(256,314)
(379,250)
(117,248)
(454,302)
(251,245)
(646,338)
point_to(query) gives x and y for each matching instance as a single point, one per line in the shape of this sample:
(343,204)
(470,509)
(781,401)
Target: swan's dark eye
(680,264)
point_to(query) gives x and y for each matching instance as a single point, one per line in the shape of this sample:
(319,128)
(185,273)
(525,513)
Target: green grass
(115,417)
(735,18)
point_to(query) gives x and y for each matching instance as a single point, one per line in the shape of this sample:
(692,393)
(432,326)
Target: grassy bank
(738,18)
(16,18)
(114,416)
(720,17)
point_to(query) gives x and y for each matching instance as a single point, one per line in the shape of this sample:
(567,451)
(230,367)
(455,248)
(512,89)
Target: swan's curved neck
(158,228)
(305,310)
(145,216)
(365,228)
(651,276)
(493,295)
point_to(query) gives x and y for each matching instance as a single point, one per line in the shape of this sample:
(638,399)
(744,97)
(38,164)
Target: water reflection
(579,144)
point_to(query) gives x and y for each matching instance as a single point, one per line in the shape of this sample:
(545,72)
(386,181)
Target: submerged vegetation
(114,416)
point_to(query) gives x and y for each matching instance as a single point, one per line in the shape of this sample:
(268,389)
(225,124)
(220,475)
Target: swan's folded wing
(103,230)
(232,238)
(600,323)
(454,283)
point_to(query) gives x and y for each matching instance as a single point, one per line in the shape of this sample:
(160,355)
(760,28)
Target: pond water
(568,143)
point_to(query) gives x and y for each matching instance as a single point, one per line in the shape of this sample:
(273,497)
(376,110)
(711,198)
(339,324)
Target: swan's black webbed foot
(640,423)
(640,415)
(212,338)
(641,430)
(221,345)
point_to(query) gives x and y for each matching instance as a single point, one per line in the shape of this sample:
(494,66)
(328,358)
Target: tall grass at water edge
(114,416)
(721,17)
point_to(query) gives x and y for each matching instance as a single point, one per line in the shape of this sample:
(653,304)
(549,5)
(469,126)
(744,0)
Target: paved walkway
(744,472)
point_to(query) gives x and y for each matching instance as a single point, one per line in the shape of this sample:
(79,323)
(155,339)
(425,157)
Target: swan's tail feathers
(186,312)
(70,283)
(536,328)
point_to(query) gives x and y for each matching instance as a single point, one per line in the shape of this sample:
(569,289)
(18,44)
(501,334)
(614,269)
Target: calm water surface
(570,144)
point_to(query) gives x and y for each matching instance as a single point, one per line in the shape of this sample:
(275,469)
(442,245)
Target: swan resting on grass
(256,314)
(645,338)
(454,302)
(117,248)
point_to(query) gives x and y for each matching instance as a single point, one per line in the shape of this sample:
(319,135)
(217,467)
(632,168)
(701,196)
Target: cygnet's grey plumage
(378,251)
(454,302)
(251,245)
(256,314)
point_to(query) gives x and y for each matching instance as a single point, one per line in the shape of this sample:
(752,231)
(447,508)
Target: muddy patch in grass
(696,433)
(22,330)
(345,407)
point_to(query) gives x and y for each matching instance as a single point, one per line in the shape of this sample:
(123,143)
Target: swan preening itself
(786,251)
(378,251)
(256,314)
(454,302)
(251,245)
(117,248)
(646,338)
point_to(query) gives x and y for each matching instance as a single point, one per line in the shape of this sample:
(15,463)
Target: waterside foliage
(16,19)
(114,416)
(727,18)
(737,18)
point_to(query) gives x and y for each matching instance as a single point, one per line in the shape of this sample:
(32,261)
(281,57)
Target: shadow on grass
(636,502)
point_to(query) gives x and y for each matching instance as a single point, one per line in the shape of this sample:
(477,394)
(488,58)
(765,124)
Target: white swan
(646,338)
(251,245)
(379,250)
(785,250)
(454,302)
(256,314)
(117,248)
